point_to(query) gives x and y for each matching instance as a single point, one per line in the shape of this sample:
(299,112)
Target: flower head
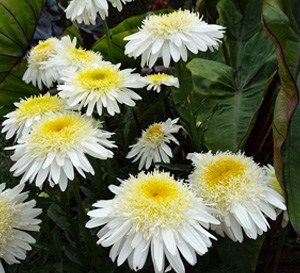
(237,189)
(71,58)
(17,216)
(155,81)
(30,111)
(86,11)
(38,56)
(171,36)
(58,144)
(152,146)
(99,87)
(153,211)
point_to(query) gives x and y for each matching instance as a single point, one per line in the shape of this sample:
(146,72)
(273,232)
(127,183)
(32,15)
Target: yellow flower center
(39,106)
(79,55)
(42,52)
(225,180)
(7,218)
(222,171)
(154,134)
(100,80)
(158,78)
(59,134)
(155,200)
(165,25)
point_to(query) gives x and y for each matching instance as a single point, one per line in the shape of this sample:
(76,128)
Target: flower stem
(108,37)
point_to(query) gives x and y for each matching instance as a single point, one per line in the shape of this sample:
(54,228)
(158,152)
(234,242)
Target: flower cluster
(152,212)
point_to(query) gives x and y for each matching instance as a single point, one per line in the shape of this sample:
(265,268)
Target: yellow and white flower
(29,111)
(171,36)
(17,217)
(58,144)
(86,11)
(99,87)
(153,145)
(37,73)
(239,192)
(69,57)
(155,81)
(274,183)
(153,211)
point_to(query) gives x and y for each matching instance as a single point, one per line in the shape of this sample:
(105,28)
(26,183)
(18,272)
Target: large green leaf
(235,90)
(17,24)
(281,22)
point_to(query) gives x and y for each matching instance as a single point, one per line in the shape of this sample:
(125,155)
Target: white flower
(172,35)
(101,86)
(153,211)
(37,73)
(274,183)
(29,111)
(58,144)
(239,192)
(152,146)
(86,11)
(69,57)
(17,216)
(155,81)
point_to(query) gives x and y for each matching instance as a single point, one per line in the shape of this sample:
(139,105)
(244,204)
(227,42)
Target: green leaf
(18,22)
(282,26)
(230,94)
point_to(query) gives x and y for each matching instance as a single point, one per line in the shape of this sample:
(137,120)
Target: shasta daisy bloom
(57,145)
(29,111)
(86,11)
(69,57)
(153,145)
(17,217)
(155,81)
(101,87)
(153,211)
(171,36)
(37,73)
(237,190)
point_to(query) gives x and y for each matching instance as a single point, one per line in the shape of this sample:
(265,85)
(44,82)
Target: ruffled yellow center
(59,134)
(165,25)
(7,218)
(100,80)
(154,134)
(155,200)
(81,56)
(39,106)
(158,79)
(42,52)
(222,171)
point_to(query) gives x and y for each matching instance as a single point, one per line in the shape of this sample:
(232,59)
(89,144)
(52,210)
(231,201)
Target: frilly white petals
(155,81)
(239,192)
(152,146)
(171,36)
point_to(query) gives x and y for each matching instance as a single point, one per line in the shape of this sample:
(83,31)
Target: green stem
(280,245)
(108,37)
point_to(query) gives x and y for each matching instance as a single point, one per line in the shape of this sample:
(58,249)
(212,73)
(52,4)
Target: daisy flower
(37,73)
(171,36)
(152,146)
(17,216)
(69,57)
(101,87)
(86,11)
(29,111)
(155,81)
(58,144)
(153,211)
(237,190)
